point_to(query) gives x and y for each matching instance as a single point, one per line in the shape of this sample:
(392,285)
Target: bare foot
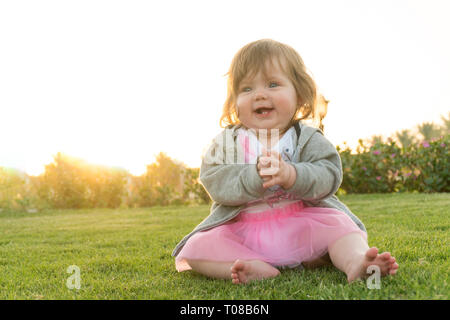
(243,271)
(386,263)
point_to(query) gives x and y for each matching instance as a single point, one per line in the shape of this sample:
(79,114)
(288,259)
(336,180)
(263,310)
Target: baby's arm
(231,184)
(319,172)
(226,182)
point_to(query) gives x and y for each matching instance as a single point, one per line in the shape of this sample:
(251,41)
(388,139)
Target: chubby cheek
(287,104)
(243,106)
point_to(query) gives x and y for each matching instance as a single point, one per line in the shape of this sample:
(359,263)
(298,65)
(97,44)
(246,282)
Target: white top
(285,146)
(274,196)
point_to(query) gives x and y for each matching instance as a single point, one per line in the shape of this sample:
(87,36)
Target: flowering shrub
(385,167)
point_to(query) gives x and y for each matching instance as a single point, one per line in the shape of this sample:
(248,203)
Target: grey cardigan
(232,185)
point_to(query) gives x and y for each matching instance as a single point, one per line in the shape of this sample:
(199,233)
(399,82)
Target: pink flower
(442,145)
(377,152)
(393,155)
(378,178)
(364,168)
(425,144)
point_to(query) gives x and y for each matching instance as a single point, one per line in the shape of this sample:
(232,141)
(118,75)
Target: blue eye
(273,85)
(246,89)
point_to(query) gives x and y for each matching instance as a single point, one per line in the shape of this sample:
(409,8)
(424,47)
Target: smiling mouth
(263,111)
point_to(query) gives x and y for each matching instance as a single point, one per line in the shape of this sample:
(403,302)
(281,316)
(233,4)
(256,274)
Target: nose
(260,94)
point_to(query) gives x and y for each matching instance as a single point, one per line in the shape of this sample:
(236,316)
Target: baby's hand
(263,166)
(274,170)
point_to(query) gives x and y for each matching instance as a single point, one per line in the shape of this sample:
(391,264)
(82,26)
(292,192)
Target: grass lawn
(125,254)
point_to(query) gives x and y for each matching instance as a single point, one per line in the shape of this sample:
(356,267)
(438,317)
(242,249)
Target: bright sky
(116,82)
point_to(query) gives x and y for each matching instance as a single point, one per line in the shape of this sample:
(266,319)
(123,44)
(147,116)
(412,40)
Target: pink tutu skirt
(283,237)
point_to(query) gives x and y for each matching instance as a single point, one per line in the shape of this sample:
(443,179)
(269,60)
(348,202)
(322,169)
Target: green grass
(125,254)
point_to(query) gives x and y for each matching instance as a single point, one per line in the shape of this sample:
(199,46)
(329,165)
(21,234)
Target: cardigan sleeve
(231,184)
(319,172)
(227,181)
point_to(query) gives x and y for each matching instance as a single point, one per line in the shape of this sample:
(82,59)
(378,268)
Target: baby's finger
(270,183)
(270,171)
(275,155)
(264,161)
(274,163)
(264,152)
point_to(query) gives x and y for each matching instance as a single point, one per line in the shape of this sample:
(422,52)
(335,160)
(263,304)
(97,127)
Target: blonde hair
(253,57)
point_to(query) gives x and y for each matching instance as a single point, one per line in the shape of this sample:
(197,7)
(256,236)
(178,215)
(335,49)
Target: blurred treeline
(69,182)
(414,160)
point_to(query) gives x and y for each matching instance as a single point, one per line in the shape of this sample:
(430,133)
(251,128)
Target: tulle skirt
(283,237)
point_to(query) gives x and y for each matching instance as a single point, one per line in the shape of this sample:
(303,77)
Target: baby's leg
(212,269)
(240,271)
(352,255)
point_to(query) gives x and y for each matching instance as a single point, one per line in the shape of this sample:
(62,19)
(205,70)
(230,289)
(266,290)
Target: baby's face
(267,101)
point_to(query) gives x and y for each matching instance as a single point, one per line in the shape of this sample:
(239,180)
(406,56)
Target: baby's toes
(386,256)
(371,254)
(393,269)
(393,262)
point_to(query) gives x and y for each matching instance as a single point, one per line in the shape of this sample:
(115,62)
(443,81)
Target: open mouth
(263,111)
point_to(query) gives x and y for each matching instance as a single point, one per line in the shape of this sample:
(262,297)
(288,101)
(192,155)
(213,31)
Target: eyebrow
(266,77)
(274,78)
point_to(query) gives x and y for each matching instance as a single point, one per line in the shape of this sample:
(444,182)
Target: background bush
(386,167)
